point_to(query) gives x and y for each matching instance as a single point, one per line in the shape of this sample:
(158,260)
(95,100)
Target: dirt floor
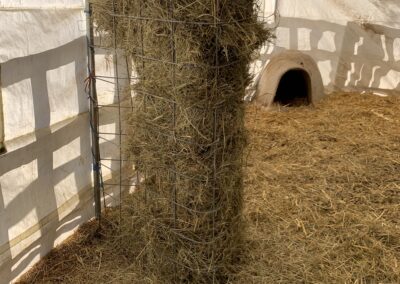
(322,202)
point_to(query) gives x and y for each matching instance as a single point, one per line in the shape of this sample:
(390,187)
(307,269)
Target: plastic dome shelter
(46,183)
(291,78)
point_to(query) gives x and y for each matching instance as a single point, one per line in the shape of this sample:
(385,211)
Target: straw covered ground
(321,204)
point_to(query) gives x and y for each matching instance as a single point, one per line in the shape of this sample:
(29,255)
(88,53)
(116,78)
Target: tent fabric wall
(356,44)
(45,176)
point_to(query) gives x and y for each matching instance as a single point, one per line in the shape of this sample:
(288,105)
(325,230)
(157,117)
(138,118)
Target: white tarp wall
(45,176)
(356,43)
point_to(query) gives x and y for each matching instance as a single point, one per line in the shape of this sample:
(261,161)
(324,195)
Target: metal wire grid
(124,181)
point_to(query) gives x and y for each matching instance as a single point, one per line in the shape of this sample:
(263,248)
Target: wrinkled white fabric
(355,43)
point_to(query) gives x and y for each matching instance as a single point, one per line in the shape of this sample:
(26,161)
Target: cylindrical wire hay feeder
(187,129)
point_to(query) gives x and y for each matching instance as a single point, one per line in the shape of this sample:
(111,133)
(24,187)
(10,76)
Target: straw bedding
(321,204)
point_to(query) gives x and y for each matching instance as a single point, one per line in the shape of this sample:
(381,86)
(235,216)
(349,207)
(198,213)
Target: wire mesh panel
(180,129)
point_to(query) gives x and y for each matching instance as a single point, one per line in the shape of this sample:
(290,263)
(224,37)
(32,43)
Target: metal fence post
(94,113)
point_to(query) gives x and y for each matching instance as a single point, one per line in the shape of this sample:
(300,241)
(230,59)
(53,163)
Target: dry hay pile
(323,192)
(322,204)
(187,128)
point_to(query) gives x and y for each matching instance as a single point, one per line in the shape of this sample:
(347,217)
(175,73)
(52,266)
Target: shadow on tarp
(17,252)
(359,55)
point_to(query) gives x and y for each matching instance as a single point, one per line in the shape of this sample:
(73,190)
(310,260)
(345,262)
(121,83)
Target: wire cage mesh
(179,134)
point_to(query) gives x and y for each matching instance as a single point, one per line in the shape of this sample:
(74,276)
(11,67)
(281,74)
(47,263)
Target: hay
(328,188)
(186,130)
(322,198)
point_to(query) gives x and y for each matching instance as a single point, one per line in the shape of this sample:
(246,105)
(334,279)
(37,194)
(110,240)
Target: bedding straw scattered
(321,204)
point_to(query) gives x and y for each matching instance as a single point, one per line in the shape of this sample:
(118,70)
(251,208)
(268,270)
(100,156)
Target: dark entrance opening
(294,89)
